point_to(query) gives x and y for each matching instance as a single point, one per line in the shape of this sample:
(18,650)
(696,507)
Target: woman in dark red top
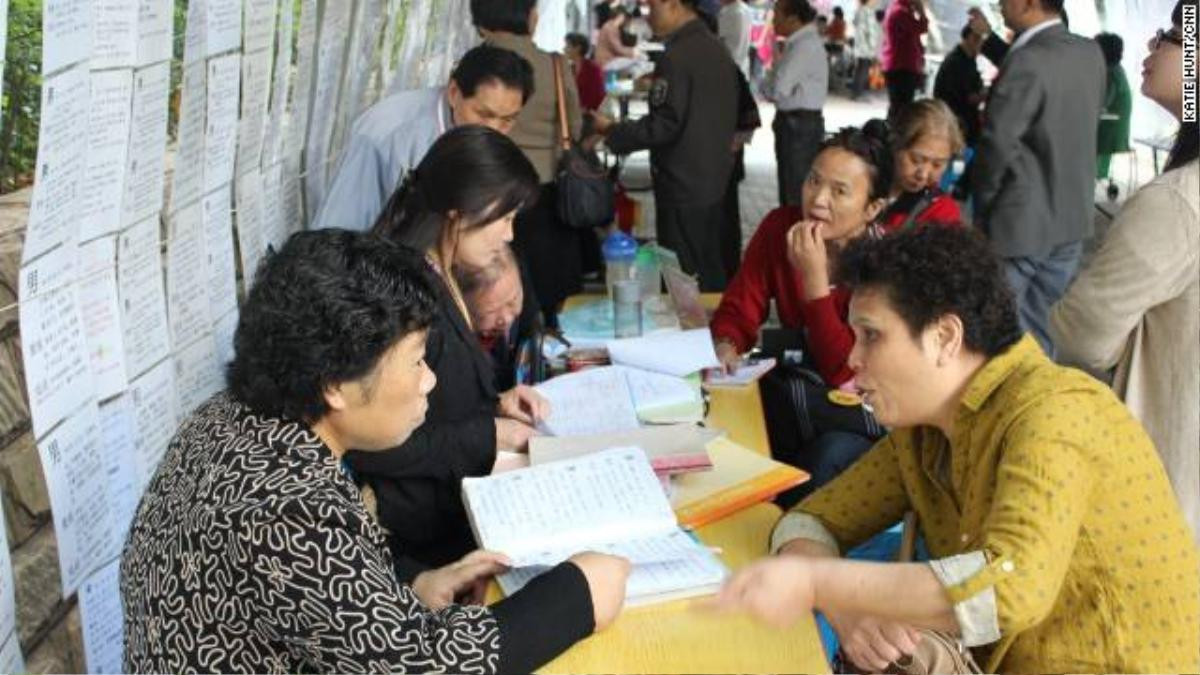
(789,260)
(589,79)
(925,139)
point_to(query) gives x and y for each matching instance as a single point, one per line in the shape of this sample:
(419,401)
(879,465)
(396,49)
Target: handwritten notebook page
(545,514)
(593,401)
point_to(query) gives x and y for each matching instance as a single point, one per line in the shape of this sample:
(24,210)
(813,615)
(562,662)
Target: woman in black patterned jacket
(252,550)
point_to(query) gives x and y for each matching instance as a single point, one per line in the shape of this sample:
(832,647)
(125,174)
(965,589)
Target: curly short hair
(930,272)
(322,311)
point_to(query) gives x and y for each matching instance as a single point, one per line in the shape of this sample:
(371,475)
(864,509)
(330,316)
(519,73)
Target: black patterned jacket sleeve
(252,552)
(331,596)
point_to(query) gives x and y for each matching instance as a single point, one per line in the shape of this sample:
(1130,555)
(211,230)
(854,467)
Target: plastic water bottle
(627,308)
(620,250)
(646,271)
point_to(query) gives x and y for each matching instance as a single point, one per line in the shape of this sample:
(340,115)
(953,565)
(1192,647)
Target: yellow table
(679,637)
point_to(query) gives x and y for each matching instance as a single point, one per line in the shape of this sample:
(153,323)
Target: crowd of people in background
(381,357)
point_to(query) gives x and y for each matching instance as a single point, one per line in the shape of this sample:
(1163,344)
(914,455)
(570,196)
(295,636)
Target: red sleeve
(829,338)
(590,82)
(746,301)
(941,211)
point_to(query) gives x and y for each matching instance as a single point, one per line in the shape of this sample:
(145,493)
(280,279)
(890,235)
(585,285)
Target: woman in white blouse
(1136,306)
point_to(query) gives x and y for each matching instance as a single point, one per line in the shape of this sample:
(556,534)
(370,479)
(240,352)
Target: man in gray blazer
(1035,168)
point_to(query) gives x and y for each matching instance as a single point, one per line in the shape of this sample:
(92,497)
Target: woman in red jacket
(788,260)
(924,141)
(789,256)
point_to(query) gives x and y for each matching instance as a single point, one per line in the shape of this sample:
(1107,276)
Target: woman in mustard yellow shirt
(1056,543)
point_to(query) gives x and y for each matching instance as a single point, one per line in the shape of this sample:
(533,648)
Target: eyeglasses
(1160,36)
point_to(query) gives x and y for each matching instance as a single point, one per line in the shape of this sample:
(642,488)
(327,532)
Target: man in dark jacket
(1034,173)
(689,132)
(958,84)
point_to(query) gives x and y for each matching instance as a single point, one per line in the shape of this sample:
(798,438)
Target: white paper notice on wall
(259,25)
(143,301)
(53,346)
(156,31)
(256,86)
(274,225)
(221,123)
(147,144)
(66,33)
(118,433)
(73,464)
(187,276)
(187,179)
(8,595)
(61,161)
(251,244)
(99,307)
(11,660)
(3,35)
(195,43)
(103,623)
(306,48)
(218,245)
(108,120)
(114,33)
(197,375)
(273,136)
(223,332)
(152,397)
(223,25)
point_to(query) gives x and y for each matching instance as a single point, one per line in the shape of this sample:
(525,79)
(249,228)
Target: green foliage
(22,94)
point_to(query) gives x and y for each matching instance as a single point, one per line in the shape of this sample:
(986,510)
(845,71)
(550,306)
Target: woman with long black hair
(457,208)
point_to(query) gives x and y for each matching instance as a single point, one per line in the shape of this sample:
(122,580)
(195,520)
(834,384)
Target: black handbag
(797,405)
(586,195)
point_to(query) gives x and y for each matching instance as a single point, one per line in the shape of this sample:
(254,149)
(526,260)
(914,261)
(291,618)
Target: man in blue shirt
(489,87)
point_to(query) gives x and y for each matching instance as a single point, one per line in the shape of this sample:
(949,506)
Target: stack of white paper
(676,353)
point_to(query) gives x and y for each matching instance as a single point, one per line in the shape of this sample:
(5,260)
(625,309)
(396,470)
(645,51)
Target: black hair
(485,63)
(1187,141)
(879,15)
(1055,6)
(870,144)
(603,13)
(930,272)
(580,42)
(322,311)
(476,172)
(801,9)
(1112,46)
(838,12)
(509,16)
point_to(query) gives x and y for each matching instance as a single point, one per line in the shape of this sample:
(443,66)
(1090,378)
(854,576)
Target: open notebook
(610,502)
(611,399)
